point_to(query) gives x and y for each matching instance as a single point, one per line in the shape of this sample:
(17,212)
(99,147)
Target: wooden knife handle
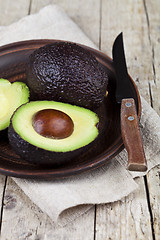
(132,137)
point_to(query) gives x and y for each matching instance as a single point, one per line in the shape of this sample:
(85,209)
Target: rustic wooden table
(138,215)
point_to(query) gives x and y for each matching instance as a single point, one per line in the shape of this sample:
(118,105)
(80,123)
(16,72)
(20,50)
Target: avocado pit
(52,123)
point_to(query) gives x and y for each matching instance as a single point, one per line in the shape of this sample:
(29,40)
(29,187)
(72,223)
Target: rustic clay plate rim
(112,151)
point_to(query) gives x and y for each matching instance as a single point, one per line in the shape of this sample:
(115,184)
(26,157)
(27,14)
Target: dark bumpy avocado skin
(36,155)
(66,72)
(39,156)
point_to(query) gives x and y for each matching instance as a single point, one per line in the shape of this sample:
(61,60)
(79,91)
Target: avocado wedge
(34,147)
(67,72)
(12,95)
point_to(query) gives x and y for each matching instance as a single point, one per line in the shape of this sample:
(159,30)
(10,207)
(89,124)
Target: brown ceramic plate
(13,58)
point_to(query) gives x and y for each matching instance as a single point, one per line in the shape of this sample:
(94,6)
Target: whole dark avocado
(67,72)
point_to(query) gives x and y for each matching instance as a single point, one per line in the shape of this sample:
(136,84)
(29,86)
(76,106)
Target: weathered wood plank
(2,189)
(129,17)
(27,221)
(86,14)
(152,10)
(154,195)
(127,219)
(11,11)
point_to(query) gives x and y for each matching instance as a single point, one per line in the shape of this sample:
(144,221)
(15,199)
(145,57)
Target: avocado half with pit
(49,132)
(67,72)
(12,95)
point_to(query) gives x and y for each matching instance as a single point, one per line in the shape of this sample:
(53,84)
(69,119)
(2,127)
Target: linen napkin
(112,182)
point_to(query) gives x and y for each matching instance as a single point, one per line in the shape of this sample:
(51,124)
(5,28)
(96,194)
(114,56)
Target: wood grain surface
(136,217)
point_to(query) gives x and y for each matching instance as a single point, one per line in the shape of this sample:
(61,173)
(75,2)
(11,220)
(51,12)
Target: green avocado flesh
(12,95)
(84,120)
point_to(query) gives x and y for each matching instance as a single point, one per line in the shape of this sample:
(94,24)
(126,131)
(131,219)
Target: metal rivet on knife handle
(128,104)
(131,118)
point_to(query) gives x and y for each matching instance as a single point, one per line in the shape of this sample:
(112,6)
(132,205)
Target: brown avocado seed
(52,123)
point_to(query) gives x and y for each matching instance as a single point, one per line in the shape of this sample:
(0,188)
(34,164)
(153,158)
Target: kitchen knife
(129,121)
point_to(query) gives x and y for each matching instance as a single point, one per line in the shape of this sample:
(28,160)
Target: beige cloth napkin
(109,183)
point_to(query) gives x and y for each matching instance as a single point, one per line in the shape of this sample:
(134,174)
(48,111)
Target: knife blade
(129,120)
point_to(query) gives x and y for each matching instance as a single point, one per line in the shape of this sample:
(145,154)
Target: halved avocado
(39,149)
(12,95)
